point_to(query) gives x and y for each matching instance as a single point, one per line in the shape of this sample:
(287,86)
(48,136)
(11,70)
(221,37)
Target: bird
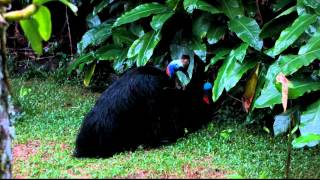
(130,112)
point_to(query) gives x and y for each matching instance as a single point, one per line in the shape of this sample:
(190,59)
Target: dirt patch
(140,174)
(203,172)
(22,152)
(80,175)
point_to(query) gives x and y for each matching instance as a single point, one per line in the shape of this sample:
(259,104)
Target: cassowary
(130,112)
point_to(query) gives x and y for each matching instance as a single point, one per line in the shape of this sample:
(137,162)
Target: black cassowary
(130,112)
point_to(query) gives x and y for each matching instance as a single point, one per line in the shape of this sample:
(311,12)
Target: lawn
(52,114)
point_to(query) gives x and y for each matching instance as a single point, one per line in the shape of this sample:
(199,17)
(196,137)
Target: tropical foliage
(274,46)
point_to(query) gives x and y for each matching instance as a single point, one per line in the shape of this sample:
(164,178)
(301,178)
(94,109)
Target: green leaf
(305,140)
(70,5)
(230,73)
(291,63)
(108,52)
(67,3)
(93,21)
(270,96)
(291,34)
(158,20)
(313,44)
(237,72)
(30,29)
(240,52)
(273,27)
(80,60)
(191,5)
(298,88)
(122,36)
(43,18)
(199,48)
(200,25)
(220,54)
(312,3)
(232,8)
(88,75)
(281,123)
(97,9)
(94,36)
(144,46)
(280,4)
(139,12)
(310,124)
(247,30)
(215,33)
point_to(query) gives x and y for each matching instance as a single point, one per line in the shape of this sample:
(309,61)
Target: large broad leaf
(95,37)
(144,46)
(93,21)
(297,88)
(232,8)
(270,96)
(103,4)
(281,124)
(81,60)
(220,54)
(43,18)
(199,48)
(108,52)
(66,2)
(215,33)
(230,73)
(280,4)
(237,72)
(271,28)
(313,44)
(30,29)
(312,139)
(312,3)
(291,63)
(291,34)
(139,12)
(158,20)
(250,89)
(200,26)
(191,5)
(121,36)
(240,52)
(248,30)
(310,124)
(88,75)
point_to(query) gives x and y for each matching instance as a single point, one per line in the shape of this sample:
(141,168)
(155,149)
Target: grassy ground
(53,113)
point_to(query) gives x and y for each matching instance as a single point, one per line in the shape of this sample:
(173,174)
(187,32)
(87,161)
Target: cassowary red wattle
(128,113)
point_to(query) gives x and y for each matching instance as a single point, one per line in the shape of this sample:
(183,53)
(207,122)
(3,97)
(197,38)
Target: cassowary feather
(142,107)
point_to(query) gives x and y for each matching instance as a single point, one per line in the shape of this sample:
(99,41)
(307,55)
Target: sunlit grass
(53,113)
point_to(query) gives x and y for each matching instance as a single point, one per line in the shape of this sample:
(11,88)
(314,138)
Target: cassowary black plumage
(142,107)
(127,114)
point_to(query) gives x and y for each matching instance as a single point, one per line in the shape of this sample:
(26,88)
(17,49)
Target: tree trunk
(5,137)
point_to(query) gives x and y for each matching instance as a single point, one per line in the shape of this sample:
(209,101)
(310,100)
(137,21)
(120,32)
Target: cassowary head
(178,65)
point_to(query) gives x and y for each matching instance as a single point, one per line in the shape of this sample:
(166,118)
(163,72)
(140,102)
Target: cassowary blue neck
(173,67)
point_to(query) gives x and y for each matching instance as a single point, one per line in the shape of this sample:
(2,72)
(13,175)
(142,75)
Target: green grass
(53,112)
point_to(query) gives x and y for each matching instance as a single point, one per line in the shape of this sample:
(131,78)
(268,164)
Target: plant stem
(289,150)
